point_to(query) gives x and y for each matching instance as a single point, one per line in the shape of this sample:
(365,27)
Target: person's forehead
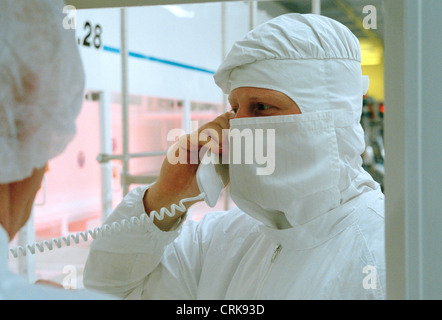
(253,94)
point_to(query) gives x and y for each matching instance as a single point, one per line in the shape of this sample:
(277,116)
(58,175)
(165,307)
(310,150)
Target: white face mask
(304,182)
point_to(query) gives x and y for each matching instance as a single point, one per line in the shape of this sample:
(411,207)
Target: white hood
(41,85)
(316,61)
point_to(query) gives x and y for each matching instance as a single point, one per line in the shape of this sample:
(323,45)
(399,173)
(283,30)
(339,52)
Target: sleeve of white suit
(128,263)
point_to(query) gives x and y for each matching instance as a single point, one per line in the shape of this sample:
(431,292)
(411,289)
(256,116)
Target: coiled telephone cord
(104,230)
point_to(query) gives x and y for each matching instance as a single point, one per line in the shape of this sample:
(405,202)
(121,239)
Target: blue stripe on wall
(150,58)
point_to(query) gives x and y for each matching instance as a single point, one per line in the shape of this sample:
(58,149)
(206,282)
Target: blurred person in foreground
(41,92)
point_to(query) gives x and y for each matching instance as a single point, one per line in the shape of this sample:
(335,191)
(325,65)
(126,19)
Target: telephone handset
(212,176)
(211,179)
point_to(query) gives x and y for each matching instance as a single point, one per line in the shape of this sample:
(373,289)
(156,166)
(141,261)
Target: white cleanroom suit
(312,229)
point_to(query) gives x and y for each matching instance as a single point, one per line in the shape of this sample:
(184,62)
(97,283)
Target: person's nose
(242,112)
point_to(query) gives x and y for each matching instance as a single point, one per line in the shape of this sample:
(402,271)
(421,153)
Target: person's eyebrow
(254,98)
(273,99)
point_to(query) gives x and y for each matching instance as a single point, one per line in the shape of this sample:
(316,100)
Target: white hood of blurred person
(41,92)
(316,62)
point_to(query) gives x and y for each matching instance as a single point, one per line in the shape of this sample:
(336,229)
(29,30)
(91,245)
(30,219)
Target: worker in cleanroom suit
(312,229)
(41,91)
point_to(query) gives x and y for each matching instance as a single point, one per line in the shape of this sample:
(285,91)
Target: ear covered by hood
(316,61)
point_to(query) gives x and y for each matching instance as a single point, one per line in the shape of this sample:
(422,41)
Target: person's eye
(263,108)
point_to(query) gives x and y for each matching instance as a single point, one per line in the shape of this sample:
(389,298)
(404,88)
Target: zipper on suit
(272,259)
(276,252)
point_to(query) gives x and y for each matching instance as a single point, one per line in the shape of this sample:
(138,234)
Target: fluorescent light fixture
(179,12)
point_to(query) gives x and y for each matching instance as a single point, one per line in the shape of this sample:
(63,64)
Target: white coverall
(334,248)
(229,255)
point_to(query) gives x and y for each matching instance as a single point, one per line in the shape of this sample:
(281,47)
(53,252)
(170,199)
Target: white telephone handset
(211,178)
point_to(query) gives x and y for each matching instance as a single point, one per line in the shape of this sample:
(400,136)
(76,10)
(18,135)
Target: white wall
(190,35)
